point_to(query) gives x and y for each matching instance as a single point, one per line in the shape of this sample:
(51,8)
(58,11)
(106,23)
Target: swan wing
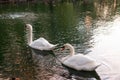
(81,62)
(42,44)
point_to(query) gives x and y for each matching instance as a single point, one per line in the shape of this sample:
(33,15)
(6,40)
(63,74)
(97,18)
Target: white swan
(78,61)
(39,44)
(79,64)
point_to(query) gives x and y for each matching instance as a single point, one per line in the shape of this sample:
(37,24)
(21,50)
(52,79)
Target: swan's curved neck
(30,35)
(72,50)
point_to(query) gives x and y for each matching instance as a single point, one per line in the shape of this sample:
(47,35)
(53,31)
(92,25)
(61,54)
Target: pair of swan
(39,44)
(78,61)
(73,62)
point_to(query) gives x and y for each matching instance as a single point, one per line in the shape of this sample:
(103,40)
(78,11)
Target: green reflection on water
(13,50)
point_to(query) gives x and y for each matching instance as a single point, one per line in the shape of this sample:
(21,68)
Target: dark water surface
(91,27)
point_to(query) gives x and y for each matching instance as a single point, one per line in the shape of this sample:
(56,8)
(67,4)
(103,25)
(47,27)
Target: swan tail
(103,63)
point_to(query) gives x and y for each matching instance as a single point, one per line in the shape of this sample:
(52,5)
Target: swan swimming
(39,44)
(79,62)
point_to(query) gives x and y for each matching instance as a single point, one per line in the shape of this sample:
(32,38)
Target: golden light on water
(106,49)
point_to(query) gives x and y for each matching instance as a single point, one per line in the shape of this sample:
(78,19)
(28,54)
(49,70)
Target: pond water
(92,27)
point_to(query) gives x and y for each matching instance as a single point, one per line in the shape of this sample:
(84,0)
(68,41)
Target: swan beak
(62,48)
(25,26)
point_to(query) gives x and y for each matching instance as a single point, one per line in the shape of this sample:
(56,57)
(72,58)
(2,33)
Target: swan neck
(72,51)
(30,35)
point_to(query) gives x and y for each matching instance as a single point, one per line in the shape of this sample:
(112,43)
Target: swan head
(66,46)
(28,26)
(70,47)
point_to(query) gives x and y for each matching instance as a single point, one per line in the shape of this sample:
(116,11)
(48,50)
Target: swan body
(39,44)
(79,61)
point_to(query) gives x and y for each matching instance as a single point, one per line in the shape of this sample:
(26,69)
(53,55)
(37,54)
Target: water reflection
(16,59)
(104,10)
(106,49)
(83,24)
(25,16)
